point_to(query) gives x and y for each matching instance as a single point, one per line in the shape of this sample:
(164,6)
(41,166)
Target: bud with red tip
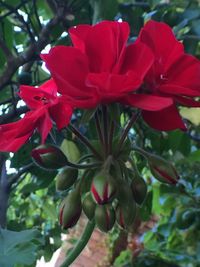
(162,170)
(49,157)
(104,217)
(89,206)
(125,214)
(66,178)
(103,188)
(126,209)
(70,210)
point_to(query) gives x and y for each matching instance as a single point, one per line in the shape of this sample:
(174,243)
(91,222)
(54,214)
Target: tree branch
(16,176)
(33,50)
(4,191)
(15,112)
(8,55)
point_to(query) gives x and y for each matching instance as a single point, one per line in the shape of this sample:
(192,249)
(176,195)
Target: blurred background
(167,231)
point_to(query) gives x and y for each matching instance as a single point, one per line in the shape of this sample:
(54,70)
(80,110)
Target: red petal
(14,144)
(161,39)
(185,72)
(31,94)
(103,43)
(69,68)
(61,113)
(79,35)
(113,86)
(165,120)
(174,89)
(138,58)
(186,101)
(147,102)
(14,135)
(44,125)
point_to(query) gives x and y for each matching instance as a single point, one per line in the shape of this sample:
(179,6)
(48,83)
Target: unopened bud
(89,206)
(126,209)
(66,178)
(70,210)
(162,170)
(49,157)
(125,214)
(104,217)
(139,189)
(103,188)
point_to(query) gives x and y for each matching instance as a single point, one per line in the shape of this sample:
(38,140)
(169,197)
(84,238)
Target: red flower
(174,75)
(45,106)
(100,68)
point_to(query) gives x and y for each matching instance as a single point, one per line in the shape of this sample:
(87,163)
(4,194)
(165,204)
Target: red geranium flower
(101,68)
(174,75)
(45,106)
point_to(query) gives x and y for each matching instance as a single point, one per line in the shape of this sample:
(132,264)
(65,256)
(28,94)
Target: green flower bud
(139,189)
(126,209)
(89,206)
(125,214)
(70,210)
(103,188)
(66,178)
(162,170)
(105,217)
(49,157)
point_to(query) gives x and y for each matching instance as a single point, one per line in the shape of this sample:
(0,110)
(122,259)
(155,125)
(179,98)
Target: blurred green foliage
(175,239)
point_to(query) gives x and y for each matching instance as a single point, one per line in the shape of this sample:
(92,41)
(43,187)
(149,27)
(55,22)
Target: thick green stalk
(80,245)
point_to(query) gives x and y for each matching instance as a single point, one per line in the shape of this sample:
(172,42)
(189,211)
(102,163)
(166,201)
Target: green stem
(82,166)
(141,151)
(80,245)
(105,129)
(98,127)
(84,140)
(126,130)
(110,139)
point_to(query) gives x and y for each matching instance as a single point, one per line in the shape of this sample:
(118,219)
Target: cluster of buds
(113,192)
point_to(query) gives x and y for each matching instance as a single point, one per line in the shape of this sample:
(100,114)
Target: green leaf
(194,156)
(70,150)
(145,210)
(19,247)
(50,211)
(191,114)
(179,141)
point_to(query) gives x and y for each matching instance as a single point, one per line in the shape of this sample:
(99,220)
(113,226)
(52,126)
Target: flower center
(42,99)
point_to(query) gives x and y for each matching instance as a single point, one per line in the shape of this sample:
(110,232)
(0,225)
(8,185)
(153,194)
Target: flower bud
(66,178)
(70,210)
(162,170)
(125,214)
(49,157)
(105,217)
(126,209)
(89,206)
(103,188)
(139,189)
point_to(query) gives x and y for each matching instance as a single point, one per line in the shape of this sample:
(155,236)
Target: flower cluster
(153,74)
